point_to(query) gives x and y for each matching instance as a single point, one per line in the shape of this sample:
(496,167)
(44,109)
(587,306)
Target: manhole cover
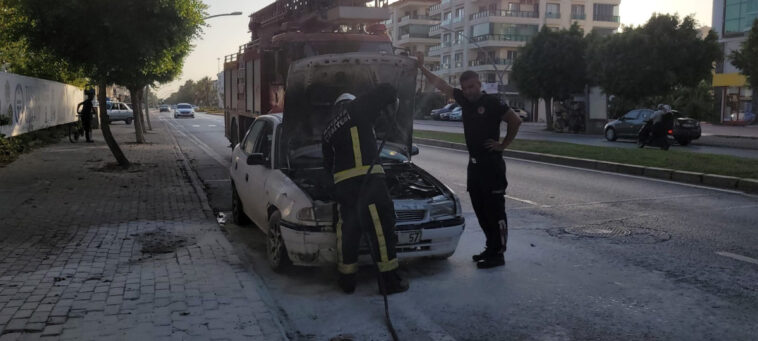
(618,232)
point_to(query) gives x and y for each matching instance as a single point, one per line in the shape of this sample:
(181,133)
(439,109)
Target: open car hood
(314,83)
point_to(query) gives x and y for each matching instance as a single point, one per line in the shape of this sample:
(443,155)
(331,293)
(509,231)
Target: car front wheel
(275,249)
(610,134)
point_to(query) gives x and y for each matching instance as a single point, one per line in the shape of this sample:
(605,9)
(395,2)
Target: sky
(223,35)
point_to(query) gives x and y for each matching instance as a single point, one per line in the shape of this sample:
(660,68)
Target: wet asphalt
(591,256)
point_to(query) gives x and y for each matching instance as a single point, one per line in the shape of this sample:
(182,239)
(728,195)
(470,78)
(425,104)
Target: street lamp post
(222,15)
(486,55)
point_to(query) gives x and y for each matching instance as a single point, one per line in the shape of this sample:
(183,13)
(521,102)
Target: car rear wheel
(238,214)
(275,249)
(610,134)
(683,141)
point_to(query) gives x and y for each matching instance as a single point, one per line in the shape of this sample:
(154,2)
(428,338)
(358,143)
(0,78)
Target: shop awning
(729,79)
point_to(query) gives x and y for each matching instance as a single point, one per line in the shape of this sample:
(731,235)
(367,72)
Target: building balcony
(578,16)
(409,18)
(501,37)
(435,8)
(502,13)
(497,61)
(435,30)
(416,39)
(551,15)
(607,18)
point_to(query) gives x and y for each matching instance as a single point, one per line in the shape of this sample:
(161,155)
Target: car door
(112,110)
(645,115)
(241,170)
(126,111)
(626,127)
(259,174)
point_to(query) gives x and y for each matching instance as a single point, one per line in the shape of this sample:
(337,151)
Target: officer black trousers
(369,210)
(486,186)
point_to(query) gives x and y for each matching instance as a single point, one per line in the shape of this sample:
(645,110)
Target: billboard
(28,104)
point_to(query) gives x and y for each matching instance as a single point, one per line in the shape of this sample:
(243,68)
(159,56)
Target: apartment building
(485,35)
(409,26)
(732,19)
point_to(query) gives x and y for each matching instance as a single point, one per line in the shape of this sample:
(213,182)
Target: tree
(106,39)
(551,66)
(746,59)
(654,59)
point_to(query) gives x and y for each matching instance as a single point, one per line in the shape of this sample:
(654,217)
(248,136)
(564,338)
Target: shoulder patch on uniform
(480,110)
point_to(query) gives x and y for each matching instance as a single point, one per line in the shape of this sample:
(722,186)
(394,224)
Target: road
(592,255)
(534,131)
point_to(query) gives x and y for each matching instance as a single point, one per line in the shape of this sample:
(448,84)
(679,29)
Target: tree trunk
(137,117)
(147,108)
(755,102)
(142,110)
(106,128)
(549,113)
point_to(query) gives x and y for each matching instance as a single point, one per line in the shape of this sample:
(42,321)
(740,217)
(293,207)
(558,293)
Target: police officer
(486,181)
(349,148)
(84,109)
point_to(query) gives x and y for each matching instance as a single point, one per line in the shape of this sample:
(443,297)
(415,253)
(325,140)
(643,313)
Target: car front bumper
(187,114)
(308,246)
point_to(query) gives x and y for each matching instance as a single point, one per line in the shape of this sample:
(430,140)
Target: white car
(118,111)
(184,110)
(279,182)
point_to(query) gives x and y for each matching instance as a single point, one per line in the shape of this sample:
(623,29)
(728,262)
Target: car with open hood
(279,182)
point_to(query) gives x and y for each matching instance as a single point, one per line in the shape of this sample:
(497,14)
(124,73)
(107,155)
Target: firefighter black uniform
(84,109)
(486,182)
(349,147)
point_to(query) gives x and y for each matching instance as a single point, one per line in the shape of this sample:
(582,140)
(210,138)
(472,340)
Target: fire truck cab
(286,31)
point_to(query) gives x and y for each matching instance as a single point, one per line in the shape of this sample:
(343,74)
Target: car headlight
(442,209)
(320,211)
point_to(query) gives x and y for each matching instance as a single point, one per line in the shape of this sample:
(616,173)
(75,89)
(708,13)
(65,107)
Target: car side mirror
(414,149)
(255,159)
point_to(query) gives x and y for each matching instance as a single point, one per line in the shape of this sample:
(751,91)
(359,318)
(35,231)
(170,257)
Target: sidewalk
(88,252)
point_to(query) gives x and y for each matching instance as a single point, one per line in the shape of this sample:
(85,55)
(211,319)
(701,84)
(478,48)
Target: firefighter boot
(491,261)
(392,283)
(347,283)
(482,256)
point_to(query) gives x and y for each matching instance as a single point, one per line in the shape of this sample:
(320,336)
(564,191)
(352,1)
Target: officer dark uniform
(349,147)
(486,180)
(84,109)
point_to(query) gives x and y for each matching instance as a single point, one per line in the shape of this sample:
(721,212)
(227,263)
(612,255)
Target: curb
(710,180)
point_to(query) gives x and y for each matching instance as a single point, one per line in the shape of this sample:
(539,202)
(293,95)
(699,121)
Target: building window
(458,15)
(446,62)
(739,16)
(447,18)
(606,12)
(511,55)
(553,11)
(458,37)
(458,60)
(577,12)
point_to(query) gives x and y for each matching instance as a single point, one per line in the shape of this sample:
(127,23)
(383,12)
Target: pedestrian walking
(486,181)
(360,190)
(85,110)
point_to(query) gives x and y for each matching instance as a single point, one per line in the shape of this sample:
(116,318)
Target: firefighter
(486,180)
(349,147)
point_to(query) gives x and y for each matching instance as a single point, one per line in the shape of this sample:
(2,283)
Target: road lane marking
(524,201)
(195,126)
(207,149)
(610,173)
(737,257)
(211,125)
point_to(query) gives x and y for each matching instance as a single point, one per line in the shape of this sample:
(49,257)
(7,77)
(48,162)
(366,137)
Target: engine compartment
(404,181)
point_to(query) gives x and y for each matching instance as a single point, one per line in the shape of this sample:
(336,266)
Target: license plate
(408,237)
(687,125)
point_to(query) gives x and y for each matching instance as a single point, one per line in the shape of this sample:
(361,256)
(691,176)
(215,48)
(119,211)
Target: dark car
(446,109)
(685,129)
(165,107)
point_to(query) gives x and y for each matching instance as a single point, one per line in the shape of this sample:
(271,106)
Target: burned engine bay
(404,181)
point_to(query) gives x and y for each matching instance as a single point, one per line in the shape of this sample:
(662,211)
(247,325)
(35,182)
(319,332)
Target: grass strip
(673,159)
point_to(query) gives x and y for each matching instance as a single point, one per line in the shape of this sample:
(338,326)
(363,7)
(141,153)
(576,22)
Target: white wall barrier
(28,104)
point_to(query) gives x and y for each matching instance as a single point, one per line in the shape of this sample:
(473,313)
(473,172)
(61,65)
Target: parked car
(279,182)
(165,107)
(628,126)
(456,114)
(435,114)
(118,111)
(184,110)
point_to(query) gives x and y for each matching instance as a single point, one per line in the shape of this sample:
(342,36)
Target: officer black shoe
(491,262)
(481,256)
(347,283)
(392,283)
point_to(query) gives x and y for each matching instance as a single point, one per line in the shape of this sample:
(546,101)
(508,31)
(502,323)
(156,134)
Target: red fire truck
(288,30)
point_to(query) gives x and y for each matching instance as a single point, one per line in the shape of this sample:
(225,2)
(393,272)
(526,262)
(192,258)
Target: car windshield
(311,157)
(184,106)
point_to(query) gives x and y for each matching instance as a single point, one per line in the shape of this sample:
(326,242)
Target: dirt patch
(160,241)
(134,167)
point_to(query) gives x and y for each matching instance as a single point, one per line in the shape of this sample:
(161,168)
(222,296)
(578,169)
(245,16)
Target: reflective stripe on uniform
(357,171)
(385,264)
(347,268)
(358,158)
(342,267)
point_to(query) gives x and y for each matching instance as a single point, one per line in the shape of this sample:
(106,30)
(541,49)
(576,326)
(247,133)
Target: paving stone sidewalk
(91,252)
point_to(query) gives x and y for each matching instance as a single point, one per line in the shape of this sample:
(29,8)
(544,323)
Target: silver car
(184,110)
(118,111)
